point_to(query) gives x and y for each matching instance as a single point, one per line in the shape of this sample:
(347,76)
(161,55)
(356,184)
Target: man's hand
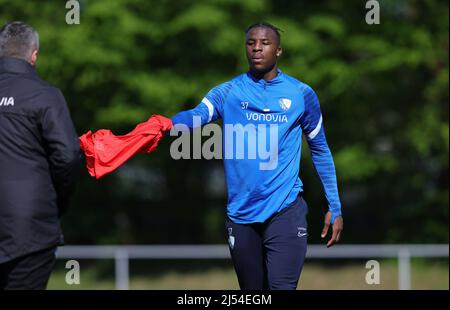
(338,225)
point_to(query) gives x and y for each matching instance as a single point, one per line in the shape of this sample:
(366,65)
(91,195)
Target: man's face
(263,49)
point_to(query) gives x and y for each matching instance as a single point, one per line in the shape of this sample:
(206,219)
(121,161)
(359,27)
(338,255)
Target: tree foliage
(383,90)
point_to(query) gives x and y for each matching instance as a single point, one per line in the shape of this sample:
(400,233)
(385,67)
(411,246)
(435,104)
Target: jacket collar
(277,79)
(16,65)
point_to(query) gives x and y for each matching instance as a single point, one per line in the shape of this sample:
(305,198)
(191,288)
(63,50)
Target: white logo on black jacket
(7,101)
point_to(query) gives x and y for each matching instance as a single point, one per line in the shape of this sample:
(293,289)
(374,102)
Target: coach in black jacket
(39,158)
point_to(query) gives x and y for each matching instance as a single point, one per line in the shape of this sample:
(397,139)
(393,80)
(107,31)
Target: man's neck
(267,76)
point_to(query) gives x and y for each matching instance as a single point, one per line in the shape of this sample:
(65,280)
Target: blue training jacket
(263,123)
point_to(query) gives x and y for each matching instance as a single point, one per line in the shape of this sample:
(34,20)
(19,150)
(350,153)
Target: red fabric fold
(105,152)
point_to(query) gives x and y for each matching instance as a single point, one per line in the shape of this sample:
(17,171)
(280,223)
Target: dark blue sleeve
(209,109)
(311,122)
(62,144)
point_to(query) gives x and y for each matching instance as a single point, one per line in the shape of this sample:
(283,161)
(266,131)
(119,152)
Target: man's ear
(279,51)
(33,58)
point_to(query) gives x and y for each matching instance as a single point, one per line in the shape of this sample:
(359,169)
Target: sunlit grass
(323,275)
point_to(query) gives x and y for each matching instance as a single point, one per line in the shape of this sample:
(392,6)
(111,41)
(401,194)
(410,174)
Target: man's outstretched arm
(208,110)
(312,125)
(196,117)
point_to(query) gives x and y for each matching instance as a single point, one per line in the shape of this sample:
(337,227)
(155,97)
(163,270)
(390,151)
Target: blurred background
(384,94)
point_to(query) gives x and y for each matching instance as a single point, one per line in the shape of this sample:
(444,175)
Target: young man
(39,157)
(266,222)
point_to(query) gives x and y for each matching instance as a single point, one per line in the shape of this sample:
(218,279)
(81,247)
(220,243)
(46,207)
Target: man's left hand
(338,226)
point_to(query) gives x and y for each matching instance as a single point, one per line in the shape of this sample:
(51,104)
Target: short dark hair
(266,25)
(19,40)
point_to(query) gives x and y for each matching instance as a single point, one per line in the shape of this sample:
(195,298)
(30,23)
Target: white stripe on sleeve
(316,130)
(210,108)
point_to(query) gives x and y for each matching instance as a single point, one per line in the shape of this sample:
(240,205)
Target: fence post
(122,270)
(404,269)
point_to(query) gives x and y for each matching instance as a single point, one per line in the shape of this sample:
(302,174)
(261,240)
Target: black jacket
(39,160)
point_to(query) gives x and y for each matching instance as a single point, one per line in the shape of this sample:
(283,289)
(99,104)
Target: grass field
(212,275)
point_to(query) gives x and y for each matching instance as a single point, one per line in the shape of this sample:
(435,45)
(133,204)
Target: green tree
(383,90)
